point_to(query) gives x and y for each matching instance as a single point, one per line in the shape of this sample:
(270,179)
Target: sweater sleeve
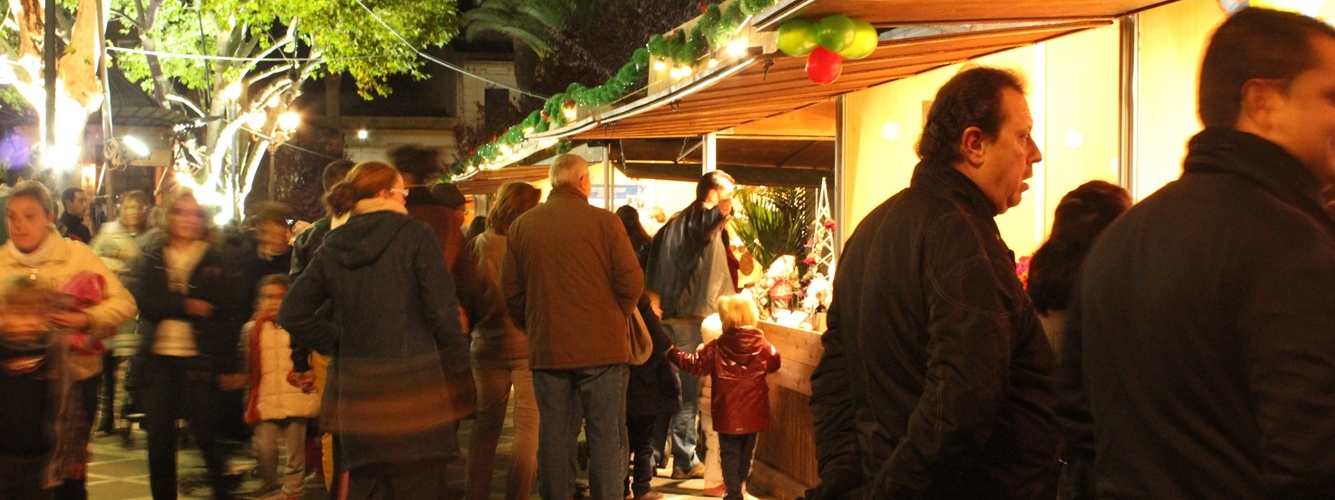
(299,312)
(118,306)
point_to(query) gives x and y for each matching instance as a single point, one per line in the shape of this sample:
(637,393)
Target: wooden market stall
(762,94)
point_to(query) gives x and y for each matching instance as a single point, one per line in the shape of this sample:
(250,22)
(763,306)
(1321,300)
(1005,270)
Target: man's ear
(972,146)
(1257,100)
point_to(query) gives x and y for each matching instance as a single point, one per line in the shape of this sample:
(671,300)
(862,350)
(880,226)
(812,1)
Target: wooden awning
(488,181)
(760,86)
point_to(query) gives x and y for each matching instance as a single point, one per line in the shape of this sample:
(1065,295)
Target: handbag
(641,343)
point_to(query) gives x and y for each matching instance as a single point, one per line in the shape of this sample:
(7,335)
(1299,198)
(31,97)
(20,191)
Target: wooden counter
(785,461)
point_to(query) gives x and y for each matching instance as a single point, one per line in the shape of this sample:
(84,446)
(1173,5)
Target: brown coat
(445,221)
(570,279)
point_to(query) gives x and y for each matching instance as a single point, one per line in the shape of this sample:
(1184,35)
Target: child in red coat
(737,364)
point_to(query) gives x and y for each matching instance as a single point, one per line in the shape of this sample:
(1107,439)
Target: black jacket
(213,281)
(395,339)
(654,387)
(676,255)
(1202,333)
(936,381)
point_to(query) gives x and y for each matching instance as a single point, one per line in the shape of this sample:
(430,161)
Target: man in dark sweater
(1200,359)
(71,222)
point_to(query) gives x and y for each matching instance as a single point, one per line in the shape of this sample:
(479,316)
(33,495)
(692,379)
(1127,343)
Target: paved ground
(120,472)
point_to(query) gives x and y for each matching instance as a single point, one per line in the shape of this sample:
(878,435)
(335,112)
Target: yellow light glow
(660,65)
(686,71)
(570,113)
(275,100)
(675,73)
(256,120)
(528,130)
(232,92)
(289,120)
(713,63)
(737,47)
(363,134)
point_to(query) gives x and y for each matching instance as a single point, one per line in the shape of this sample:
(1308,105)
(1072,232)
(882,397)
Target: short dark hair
(422,163)
(712,180)
(335,171)
(69,194)
(16,172)
(972,98)
(1253,44)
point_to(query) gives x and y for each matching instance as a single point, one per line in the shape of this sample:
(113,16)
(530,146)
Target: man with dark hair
(70,223)
(439,204)
(309,240)
(688,269)
(936,380)
(1200,360)
(13,175)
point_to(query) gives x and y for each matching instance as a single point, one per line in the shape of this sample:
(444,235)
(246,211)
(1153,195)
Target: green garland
(713,30)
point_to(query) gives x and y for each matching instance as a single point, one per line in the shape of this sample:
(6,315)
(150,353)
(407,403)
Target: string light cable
(440,62)
(176,55)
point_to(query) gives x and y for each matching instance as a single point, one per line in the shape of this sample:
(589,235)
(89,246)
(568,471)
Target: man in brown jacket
(571,279)
(439,204)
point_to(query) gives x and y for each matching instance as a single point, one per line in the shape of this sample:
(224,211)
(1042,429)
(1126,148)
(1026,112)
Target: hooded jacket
(395,337)
(737,364)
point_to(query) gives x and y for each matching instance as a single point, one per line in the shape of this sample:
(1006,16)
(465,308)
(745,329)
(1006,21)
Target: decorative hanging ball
(835,33)
(864,41)
(797,38)
(824,66)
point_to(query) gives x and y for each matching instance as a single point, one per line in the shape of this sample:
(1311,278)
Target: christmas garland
(712,31)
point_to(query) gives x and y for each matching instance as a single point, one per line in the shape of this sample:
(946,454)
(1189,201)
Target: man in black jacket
(936,377)
(1201,330)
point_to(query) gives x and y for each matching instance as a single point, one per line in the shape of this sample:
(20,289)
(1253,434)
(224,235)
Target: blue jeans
(687,338)
(597,397)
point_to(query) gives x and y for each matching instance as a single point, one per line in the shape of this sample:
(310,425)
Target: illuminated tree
(257,55)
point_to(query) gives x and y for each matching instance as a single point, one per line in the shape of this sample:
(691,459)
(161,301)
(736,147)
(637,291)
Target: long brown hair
(365,180)
(512,199)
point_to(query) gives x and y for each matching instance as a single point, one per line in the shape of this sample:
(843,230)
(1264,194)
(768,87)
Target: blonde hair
(735,311)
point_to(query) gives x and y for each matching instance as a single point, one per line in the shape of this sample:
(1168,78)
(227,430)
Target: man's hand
(231,381)
(199,308)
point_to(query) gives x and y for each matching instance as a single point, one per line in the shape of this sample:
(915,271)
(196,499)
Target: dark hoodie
(738,362)
(395,339)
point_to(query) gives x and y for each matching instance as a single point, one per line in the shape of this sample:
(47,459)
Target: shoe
(715,491)
(696,472)
(651,495)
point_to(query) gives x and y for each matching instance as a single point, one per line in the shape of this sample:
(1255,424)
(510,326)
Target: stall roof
(760,86)
(487,182)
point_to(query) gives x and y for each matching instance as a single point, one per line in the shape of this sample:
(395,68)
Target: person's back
(1201,328)
(576,314)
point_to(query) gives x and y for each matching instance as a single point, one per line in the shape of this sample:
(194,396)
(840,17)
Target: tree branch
(290,37)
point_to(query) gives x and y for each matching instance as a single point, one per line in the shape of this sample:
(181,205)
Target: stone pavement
(118,472)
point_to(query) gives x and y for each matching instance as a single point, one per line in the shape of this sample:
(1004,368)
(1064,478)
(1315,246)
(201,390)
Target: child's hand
(231,381)
(303,380)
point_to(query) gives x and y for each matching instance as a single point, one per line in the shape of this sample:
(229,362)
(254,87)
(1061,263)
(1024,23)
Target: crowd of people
(1171,349)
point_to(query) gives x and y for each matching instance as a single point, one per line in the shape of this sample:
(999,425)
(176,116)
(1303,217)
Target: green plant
(775,221)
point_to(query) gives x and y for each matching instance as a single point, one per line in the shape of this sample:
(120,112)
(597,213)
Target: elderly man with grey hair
(571,279)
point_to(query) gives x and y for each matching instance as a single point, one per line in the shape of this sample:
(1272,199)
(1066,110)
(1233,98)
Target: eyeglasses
(400,192)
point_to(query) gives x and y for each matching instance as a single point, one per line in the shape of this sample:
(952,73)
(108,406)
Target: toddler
(736,363)
(275,407)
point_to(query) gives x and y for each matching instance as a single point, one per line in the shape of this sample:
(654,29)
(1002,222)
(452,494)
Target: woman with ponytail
(395,338)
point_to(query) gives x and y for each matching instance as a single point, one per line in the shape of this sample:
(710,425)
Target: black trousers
(77,489)
(110,364)
(735,452)
(174,388)
(640,435)
(424,479)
